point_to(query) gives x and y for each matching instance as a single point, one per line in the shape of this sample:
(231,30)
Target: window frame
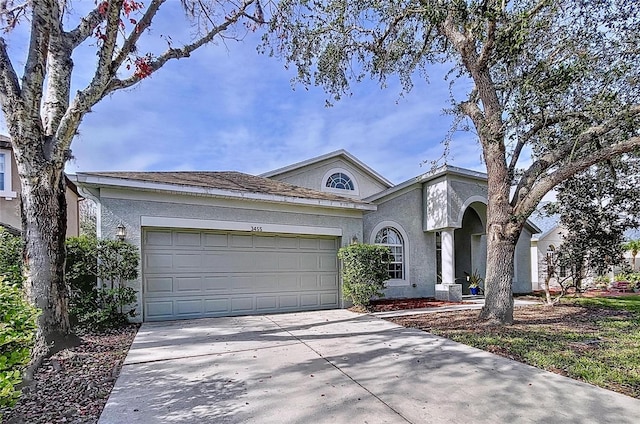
(405,280)
(7,192)
(340,191)
(340,178)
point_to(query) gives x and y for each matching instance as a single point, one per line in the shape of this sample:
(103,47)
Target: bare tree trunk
(498,308)
(44,222)
(502,234)
(547,290)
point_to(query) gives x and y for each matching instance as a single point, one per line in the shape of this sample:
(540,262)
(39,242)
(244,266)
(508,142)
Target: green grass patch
(596,340)
(626,303)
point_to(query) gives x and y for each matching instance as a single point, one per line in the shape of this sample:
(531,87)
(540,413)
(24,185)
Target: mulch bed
(73,385)
(384,305)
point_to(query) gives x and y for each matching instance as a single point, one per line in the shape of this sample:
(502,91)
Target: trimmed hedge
(365,268)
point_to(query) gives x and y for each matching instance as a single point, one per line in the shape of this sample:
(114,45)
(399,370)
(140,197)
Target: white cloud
(229,108)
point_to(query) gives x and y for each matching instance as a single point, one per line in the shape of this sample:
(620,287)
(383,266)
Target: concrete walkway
(338,367)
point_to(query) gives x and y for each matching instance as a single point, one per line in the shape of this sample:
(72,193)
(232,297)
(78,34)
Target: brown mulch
(576,318)
(73,385)
(384,305)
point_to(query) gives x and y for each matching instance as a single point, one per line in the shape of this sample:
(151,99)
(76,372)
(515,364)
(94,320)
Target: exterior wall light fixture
(121,232)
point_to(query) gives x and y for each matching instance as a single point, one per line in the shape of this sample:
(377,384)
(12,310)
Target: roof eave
(426,177)
(101,181)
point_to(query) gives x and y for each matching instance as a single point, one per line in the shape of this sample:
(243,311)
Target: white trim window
(340,181)
(5,175)
(390,237)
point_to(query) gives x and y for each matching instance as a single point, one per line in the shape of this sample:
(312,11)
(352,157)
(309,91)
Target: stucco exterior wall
(10,212)
(463,192)
(128,208)
(522,278)
(553,237)
(10,208)
(446,199)
(406,211)
(313,177)
(73,214)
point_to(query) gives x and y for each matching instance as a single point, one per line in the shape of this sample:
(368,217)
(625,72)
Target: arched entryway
(471,244)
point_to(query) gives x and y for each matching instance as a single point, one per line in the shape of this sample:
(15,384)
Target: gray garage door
(191,274)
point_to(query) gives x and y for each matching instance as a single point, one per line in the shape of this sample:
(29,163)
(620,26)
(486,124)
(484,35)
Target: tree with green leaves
(550,86)
(43,114)
(632,246)
(596,207)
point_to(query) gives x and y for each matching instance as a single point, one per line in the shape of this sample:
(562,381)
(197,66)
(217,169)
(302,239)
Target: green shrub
(365,268)
(11,248)
(17,337)
(111,262)
(102,308)
(81,268)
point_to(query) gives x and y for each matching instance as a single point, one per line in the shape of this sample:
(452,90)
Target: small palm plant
(634,247)
(475,282)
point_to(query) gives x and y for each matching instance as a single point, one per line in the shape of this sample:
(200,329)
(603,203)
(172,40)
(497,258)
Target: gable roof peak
(336,153)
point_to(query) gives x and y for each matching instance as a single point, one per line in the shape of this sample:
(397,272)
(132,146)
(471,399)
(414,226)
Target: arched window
(390,237)
(340,181)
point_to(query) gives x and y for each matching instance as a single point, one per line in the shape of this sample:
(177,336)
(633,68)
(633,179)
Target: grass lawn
(596,340)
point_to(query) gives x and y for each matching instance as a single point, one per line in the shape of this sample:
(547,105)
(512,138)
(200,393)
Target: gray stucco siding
(406,211)
(313,177)
(446,199)
(129,212)
(522,278)
(461,192)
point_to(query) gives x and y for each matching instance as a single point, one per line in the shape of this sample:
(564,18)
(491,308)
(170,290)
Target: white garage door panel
(190,274)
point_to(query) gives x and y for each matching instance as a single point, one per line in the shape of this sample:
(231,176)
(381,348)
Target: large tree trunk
(503,232)
(498,308)
(44,224)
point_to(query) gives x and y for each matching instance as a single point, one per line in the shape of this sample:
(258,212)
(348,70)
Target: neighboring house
(550,239)
(542,245)
(10,187)
(632,234)
(227,243)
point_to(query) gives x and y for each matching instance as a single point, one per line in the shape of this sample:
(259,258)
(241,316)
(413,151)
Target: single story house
(550,239)
(228,243)
(10,218)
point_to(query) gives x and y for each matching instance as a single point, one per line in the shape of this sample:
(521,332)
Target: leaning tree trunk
(44,224)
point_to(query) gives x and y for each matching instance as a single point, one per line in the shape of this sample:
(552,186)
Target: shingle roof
(226,180)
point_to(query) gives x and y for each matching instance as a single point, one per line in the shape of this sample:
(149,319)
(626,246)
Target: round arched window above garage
(340,181)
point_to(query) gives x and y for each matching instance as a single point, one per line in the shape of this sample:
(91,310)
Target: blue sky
(229,108)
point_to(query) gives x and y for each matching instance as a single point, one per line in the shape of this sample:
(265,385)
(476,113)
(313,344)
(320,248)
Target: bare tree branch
(35,66)
(532,132)
(105,55)
(185,51)
(141,26)
(10,93)
(60,66)
(487,48)
(85,28)
(528,201)
(552,158)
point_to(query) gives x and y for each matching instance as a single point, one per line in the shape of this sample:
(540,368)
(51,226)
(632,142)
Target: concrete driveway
(337,367)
